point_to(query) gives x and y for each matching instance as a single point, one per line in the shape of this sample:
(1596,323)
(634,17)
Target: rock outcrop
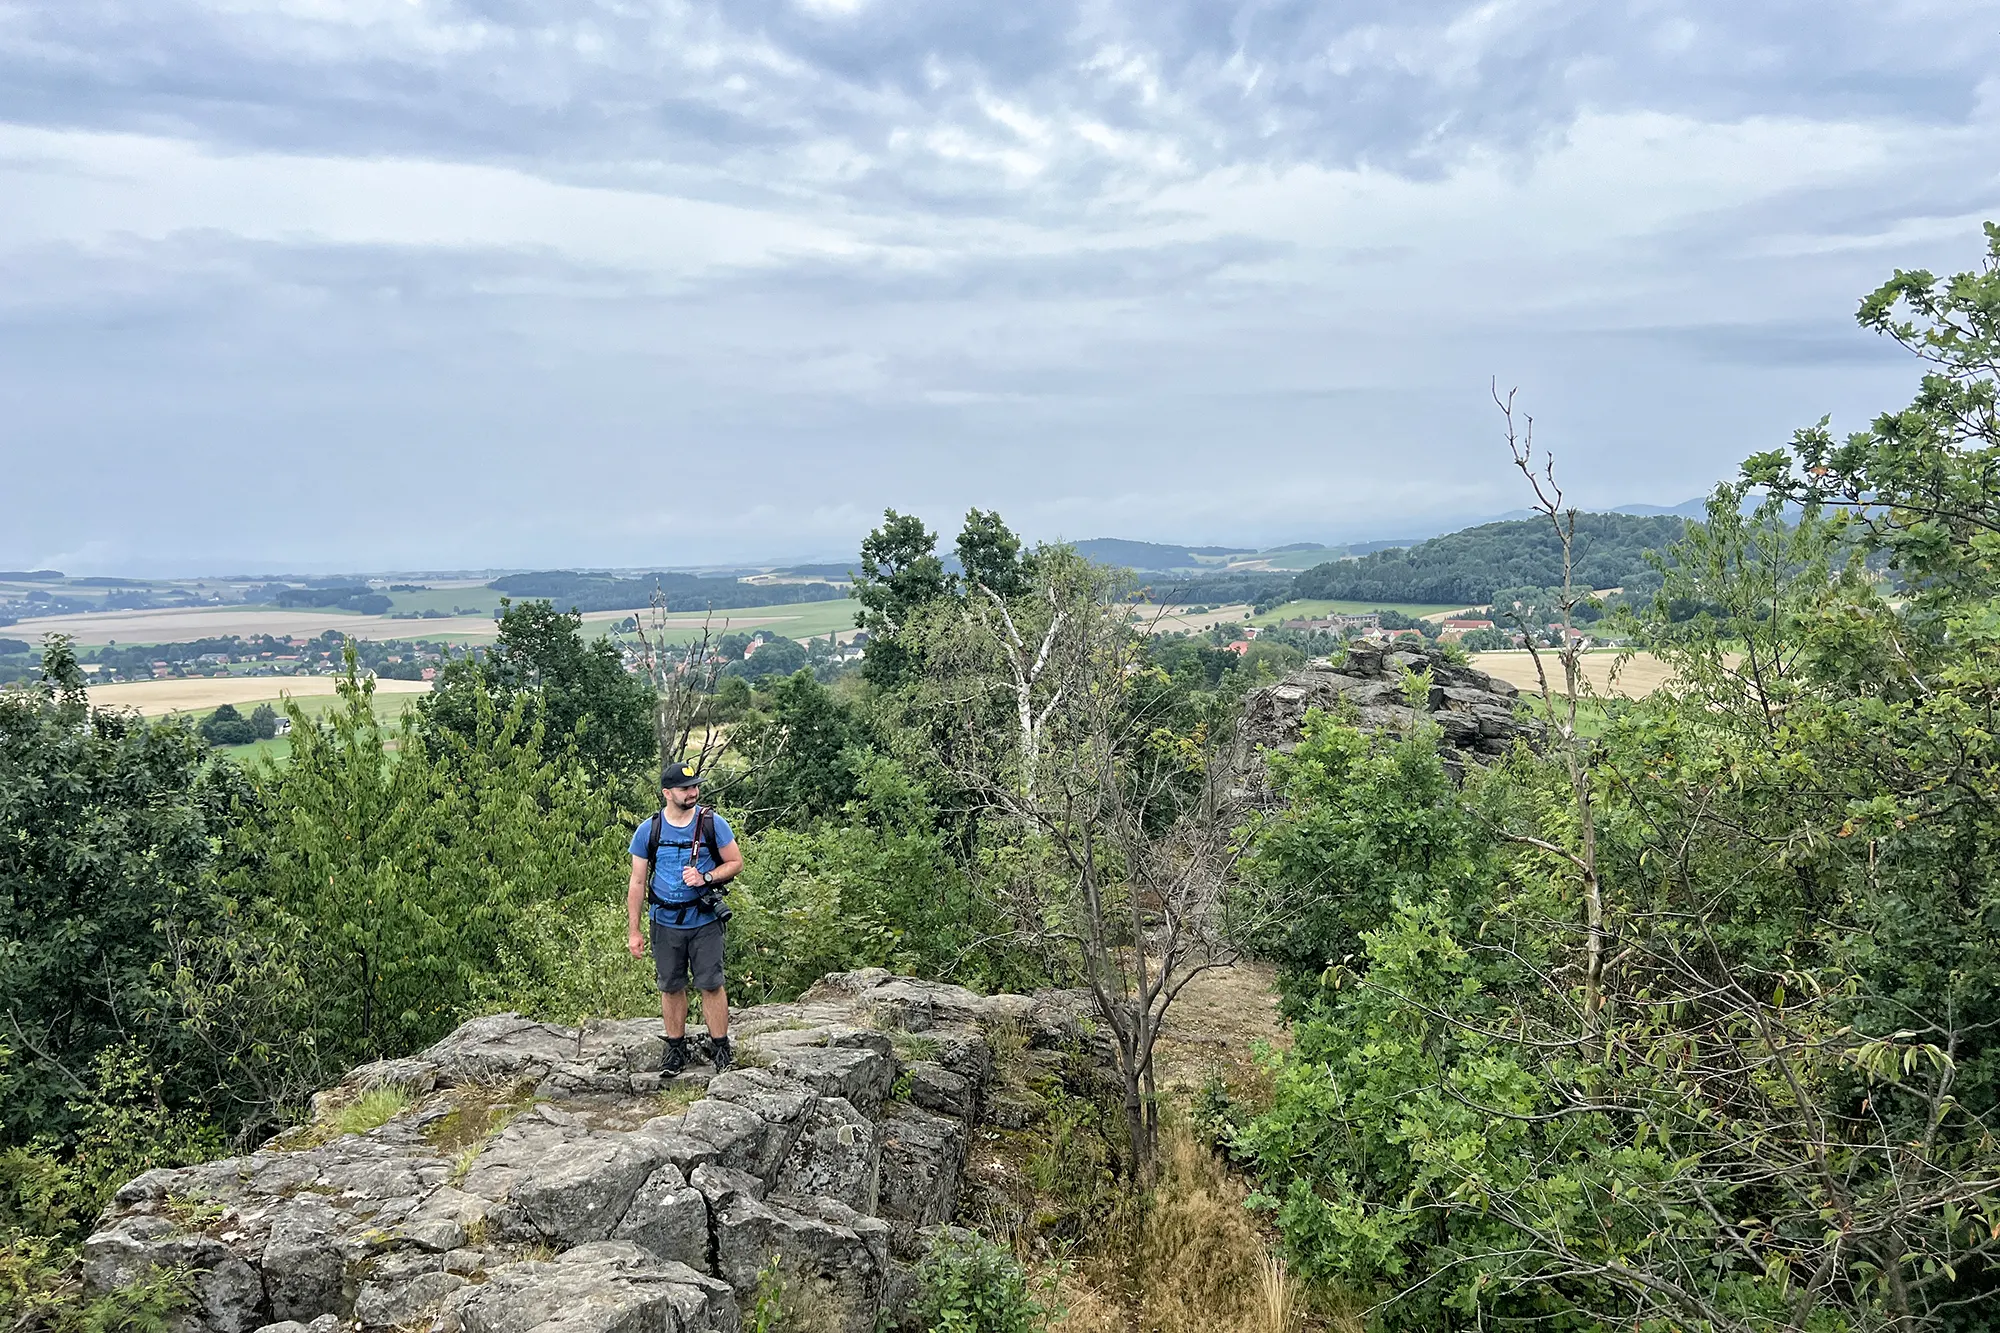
(1478,716)
(540,1180)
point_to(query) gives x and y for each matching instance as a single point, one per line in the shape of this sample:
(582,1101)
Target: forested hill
(1469,566)
(568,588)
(1152,555)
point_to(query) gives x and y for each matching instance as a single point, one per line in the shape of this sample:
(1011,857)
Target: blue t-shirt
(677,847)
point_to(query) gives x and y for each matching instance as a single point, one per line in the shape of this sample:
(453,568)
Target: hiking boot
(676,1057)
(718,1050)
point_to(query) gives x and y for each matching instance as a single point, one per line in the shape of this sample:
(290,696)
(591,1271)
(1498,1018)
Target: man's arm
(635,901)
(728,860)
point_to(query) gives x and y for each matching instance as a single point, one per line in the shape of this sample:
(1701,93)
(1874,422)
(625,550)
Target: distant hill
(1469,566)
(584,591)
(1153,555)
(1695,508)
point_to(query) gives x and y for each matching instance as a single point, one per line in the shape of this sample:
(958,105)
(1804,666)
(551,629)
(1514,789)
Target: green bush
(877,888)
(967,1284)
(40,1290)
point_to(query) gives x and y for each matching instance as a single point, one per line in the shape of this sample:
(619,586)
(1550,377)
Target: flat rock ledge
(1478,715)
(543,1179)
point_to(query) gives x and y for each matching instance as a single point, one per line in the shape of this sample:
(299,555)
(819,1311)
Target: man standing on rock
(681,858)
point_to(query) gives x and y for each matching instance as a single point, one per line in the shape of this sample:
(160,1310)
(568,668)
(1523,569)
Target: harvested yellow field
(157,698)
(1169,619)
(1642,675)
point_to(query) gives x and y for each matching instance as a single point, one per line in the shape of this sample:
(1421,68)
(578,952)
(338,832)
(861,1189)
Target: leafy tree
(874,885)
(227,726)
(110,828)
(402,881)
(1396,620)
(1770,1100)
(1363,827)
(991,557)
(801,754)
(1486,640)
(572,690)
(1107,833)
(264,719)
(774,657)
(900,573)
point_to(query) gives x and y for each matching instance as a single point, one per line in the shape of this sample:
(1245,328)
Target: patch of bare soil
(1215,1027)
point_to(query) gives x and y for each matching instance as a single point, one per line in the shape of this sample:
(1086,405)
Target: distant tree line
(584,591)
(362,599)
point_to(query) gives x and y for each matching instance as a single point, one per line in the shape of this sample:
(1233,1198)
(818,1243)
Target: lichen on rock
(577,1206)
(1478,716)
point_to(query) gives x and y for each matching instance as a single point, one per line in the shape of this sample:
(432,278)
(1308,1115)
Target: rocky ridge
(1477,714)
(542,1179)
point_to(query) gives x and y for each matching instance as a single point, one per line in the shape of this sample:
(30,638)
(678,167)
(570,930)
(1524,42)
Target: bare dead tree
(683,678)
(1125,823)
(1562,710)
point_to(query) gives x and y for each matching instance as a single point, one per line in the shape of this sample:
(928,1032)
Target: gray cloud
(916,101)
(469,282)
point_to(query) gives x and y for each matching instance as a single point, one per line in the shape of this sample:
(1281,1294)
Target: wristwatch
(705,877)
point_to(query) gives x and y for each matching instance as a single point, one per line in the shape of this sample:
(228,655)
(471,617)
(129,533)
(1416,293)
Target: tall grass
(1194,1263)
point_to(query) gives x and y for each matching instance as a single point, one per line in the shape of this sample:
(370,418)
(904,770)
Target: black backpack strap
(704,832)
(653,846)
(653,827)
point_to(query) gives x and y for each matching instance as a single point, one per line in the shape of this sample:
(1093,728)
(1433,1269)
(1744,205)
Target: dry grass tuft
(1196,1262)
(1278,1296)
(1200,1257)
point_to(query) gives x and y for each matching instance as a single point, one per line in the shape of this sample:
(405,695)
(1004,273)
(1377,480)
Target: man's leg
(674,1011)
(714,1011)
(670,962)
(705,963)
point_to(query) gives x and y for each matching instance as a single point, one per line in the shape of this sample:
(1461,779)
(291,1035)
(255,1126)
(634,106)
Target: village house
(1457,628)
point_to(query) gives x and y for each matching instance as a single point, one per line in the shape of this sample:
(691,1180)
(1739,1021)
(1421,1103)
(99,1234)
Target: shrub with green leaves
(1777,1104)
(877,887)
(968,1284)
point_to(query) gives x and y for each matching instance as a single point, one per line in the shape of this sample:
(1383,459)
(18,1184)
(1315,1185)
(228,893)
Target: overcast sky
(375,284)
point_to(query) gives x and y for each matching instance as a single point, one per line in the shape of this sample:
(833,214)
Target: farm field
(794,620)
(1280,561)
(184,624)
(1173,619)
(1643,674)
(1310,608)
(157,698)
(389,709)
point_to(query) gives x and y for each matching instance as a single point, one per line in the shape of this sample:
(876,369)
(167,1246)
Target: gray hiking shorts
(677,954)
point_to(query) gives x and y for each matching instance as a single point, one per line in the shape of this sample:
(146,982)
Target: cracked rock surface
(1477,714)
(546,1180)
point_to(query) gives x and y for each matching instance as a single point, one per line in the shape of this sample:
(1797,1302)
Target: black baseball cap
(679,775)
